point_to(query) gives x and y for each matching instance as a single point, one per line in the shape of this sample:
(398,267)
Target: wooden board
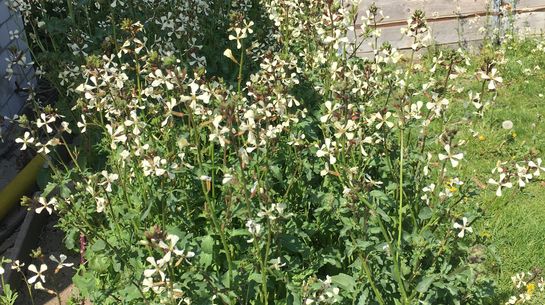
(534,22)
(452,22)
(401,9)
(443,32)
(529,3)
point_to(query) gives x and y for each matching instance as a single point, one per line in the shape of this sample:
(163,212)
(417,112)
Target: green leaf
(275,170)
(364,298)
(344,281)
(425,213)
(225,298)
(379,195)
(294,299)
(256,277)
(239,232)
(70,239)
(116,266)
(85,283)
(293,244)
(424,284)
(130,293)
(146,212)
(205,259)
(98,245)
(49,188)
(99,263)
(207,244)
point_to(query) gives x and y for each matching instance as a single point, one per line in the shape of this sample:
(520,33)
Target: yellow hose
(20,185)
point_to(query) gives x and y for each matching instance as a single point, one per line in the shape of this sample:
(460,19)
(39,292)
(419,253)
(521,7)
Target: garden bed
(265,163)
(50,242)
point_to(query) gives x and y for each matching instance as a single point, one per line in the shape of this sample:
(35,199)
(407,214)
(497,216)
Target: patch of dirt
(51,243)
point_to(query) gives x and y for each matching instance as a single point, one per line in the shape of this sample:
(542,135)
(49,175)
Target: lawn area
(514,224)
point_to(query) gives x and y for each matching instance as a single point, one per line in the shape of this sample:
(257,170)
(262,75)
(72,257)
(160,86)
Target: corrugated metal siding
(455,22)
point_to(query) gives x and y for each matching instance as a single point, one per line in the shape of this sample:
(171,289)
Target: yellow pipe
(20,185)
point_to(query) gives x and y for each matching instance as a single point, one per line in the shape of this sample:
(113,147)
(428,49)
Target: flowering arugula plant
(268,165)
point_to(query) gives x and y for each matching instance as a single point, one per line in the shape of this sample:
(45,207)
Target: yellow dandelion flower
(485,234)
(482,138)
(530,288)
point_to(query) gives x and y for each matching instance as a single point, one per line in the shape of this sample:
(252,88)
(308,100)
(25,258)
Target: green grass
(517,230)
(513,225)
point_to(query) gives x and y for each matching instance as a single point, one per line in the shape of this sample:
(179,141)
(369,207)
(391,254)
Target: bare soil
(51,243)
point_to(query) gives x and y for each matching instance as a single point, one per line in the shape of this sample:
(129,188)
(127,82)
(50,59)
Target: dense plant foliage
(240,152)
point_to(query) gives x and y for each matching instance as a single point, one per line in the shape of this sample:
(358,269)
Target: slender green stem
(264,288)
(27,287)
(240,66)
(72,156)
(397,264)
(138,81)
(400,209)
(398,250)
(369,275)
(70,6)
(219,231)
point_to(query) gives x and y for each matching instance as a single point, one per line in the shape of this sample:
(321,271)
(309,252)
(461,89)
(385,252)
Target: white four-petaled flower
(108,179)
(328,149)
(157,267)
(48,205)
(501,184)
(492,78)
(454,158)
(39,273)
(537,166)
(60,262)
(254,228)
(463,227)
(383,120)
(25,140)
(239,35)
(45,120)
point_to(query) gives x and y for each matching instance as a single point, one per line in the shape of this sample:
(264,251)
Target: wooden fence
(456,22)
